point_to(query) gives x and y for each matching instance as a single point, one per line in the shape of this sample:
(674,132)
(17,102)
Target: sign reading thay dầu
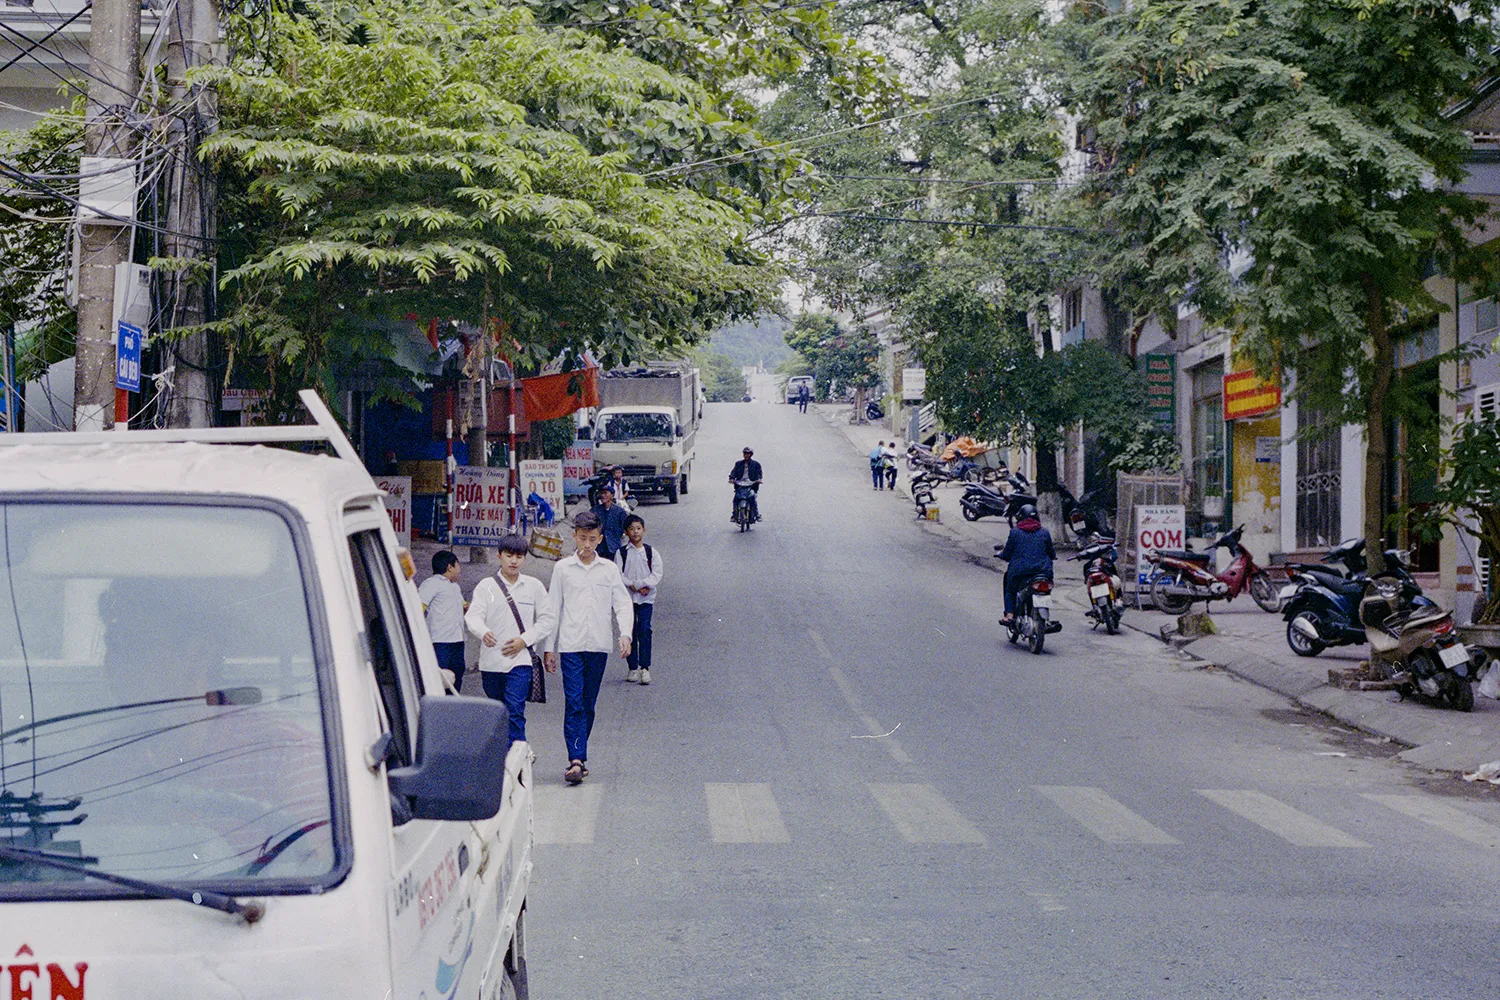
(481,512)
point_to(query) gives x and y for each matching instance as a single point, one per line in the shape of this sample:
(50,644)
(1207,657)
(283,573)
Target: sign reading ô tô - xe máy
(1157,528)
(480,506)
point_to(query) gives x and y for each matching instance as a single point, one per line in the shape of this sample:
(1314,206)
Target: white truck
(648,425)
(229,767)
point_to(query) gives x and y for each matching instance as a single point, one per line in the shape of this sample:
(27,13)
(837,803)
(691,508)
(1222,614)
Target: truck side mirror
(459,773)
(680,431)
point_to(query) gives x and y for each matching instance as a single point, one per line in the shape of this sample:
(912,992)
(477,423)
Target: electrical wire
(87,5)
(937,222)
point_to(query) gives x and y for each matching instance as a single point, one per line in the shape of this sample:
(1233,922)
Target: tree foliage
(1287,168)
(836,357)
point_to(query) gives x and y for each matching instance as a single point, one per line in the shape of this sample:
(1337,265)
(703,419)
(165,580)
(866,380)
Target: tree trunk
(1377,451)
(1046,469)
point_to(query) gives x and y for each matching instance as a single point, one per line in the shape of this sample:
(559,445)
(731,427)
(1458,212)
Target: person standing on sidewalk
(510,615)
(443,601)
(877,461)
(888,458)
(641,568)
(587,596)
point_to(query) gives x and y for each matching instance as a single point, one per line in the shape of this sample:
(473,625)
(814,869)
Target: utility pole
(193,40)
(114,68)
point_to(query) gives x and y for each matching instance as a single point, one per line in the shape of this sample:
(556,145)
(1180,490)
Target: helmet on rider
(1027,510)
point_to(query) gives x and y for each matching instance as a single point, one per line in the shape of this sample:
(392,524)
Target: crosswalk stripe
(1292,825)
(567,815)
(923,816)
(1104,817)
(744,813)
(1449,819)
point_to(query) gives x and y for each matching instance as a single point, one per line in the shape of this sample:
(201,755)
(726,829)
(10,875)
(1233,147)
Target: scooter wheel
(1301,644)
(1461,694)
(970,514)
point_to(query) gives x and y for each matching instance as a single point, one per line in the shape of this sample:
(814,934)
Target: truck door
(430,903)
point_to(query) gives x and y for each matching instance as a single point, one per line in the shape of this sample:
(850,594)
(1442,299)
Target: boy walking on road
(510,615)
(641,568)
(443,601)
(587,596)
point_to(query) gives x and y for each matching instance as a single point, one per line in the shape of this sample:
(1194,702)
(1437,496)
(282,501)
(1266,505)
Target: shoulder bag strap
(512,602)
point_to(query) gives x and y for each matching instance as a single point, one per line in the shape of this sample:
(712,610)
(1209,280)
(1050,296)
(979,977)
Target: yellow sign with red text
(1246,394)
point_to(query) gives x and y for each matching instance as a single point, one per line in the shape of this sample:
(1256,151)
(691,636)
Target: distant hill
(753,343)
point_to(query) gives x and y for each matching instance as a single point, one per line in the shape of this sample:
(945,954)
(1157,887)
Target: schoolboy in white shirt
(510,614)
(641,567)
(443,601)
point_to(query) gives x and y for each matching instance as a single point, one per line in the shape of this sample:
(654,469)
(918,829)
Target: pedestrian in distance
(611,521)
(641,568)
(443,602)
(888,462)
(587,598)
(877,461)
(804,396)
(511,616)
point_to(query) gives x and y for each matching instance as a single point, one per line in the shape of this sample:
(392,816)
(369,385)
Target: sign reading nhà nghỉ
(578,465)
(397,501)
(1161,389)
(1246,394)
(480,506)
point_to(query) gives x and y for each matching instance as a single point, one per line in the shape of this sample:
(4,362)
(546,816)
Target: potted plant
(1468,497)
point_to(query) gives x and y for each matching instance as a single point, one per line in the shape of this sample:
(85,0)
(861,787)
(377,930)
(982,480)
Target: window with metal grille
(1319,480)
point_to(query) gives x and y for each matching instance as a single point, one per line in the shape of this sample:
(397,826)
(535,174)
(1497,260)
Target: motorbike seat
(1187,554)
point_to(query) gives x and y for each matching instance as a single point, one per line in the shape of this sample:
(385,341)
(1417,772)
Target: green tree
(837,358)
(722,378)
(1287,168)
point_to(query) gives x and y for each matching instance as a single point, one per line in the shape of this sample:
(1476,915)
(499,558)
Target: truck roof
(193,462)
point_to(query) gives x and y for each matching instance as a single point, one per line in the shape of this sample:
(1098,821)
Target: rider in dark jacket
(748,468)
(1028,554)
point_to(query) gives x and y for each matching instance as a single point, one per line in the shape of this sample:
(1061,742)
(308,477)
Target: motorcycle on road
(744,504)
(1184,577)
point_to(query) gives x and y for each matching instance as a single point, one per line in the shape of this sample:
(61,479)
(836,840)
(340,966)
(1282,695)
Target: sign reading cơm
(1157,528)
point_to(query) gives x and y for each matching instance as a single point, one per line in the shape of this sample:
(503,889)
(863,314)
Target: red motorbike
(1184,577)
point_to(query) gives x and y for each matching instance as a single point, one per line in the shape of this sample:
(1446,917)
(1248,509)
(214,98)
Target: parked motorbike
(1085,515)
(919,456)
(1421,643)
(744,503)
(603,476)
(1102,577)
(922,495)
(873,411)
(1344,561)
(980,500)
(1184,577)
(1323,607)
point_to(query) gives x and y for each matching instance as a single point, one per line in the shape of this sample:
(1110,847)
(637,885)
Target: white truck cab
(227,764)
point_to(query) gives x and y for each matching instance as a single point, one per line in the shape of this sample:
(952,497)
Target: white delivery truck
(229,768)
(648,424)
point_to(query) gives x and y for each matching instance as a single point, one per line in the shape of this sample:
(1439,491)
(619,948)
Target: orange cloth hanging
(547,397)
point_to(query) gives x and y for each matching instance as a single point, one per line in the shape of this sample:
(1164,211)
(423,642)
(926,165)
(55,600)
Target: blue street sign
(128,358)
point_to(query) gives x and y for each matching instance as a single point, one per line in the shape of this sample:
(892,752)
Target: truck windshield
(159,711)
(635,427)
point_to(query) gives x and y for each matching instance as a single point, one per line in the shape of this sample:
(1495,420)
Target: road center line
(1449,819)
(881,733)
(1291,825)
(1104,817)
(822,646)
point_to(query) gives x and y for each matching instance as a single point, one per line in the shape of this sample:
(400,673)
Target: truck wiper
(251,912)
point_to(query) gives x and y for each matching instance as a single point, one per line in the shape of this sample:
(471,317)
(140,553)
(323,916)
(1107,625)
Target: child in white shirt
(505,663)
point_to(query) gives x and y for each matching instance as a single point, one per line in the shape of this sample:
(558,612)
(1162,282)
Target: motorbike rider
(1028,554)
(748,468)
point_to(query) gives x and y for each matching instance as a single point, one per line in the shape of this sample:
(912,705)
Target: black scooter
(1084,515)
(1323,610)
(980,500)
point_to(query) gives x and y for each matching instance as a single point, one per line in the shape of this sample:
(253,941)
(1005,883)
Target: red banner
(548,397)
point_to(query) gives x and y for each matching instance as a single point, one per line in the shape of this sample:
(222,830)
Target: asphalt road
(844,783)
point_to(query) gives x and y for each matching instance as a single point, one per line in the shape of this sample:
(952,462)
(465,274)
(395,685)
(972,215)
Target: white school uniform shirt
(444,601)
(489,611)
(636,572)
(584,600)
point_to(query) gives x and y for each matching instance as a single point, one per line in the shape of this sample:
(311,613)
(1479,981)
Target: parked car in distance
(794,385)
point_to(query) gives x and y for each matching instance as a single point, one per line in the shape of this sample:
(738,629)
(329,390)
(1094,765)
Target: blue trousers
(450,656)
(511,688)
(640,638)
(582,673)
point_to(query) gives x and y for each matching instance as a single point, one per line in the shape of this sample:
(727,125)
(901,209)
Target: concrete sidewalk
(1251,644)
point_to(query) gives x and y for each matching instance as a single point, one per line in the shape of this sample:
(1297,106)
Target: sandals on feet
(575,772)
